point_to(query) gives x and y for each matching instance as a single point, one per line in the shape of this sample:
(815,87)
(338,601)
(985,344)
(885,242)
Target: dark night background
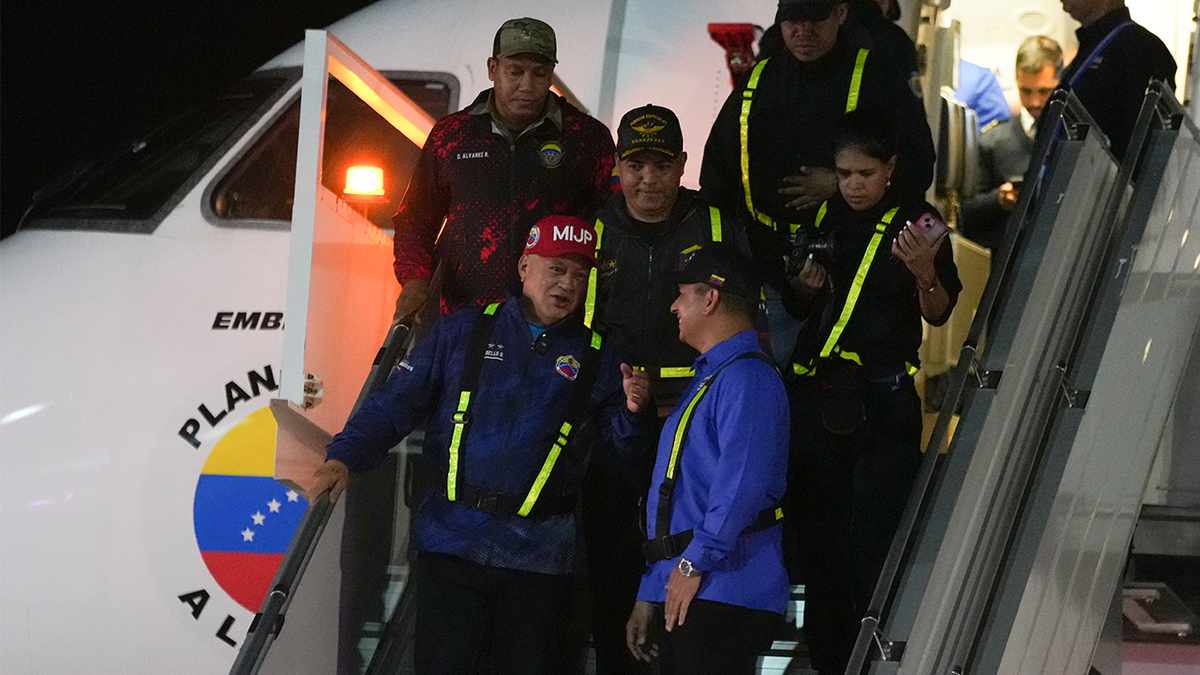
(77,78)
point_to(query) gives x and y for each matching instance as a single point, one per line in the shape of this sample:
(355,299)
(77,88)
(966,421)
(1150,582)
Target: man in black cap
(516,154)
(716,581)
(769,156)
(642,233)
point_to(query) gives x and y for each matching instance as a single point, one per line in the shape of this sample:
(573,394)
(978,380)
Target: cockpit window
(259,188)
(127,190)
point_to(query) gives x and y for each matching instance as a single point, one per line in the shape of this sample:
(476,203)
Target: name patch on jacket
(551,154)
(494,352)
(471,155)
(567,366)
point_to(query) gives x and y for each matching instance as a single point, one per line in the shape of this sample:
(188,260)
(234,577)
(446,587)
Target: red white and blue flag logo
(244,518)
(534,235)
(567,366)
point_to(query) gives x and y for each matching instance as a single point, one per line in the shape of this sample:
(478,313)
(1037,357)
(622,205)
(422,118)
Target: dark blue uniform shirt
(514,418)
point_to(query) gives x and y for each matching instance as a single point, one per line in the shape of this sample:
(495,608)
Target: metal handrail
(1064,113)
(269,620)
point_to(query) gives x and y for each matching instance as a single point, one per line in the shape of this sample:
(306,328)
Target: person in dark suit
(1006,147)
(1117,58)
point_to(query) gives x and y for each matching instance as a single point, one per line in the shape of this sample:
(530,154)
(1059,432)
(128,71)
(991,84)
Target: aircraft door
(340,298)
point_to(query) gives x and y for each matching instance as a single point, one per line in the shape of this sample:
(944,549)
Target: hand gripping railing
(269,621)
(1065,115)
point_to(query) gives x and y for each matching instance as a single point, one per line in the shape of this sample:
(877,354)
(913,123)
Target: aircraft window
(138,180)
(260,186)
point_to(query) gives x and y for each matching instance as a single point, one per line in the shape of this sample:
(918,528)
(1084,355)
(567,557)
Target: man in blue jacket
(716,575)
(513,393)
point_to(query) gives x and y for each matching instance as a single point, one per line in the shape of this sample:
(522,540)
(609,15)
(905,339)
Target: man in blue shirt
(513,393)
(716,575)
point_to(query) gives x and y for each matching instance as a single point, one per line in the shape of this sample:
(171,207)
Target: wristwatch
(686,569)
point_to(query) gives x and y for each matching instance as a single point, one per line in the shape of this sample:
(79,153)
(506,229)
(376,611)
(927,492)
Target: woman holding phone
(873,265)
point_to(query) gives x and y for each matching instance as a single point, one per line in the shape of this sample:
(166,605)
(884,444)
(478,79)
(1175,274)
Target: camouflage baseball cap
(525,36)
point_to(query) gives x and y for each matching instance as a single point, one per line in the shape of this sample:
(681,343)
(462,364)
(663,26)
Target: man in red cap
(510,394)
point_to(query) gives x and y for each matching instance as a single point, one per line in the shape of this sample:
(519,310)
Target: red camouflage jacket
(490,191)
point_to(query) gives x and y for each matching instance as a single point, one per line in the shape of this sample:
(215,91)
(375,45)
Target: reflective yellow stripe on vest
(856,80)
(856,286)
(821,213)
(564,434)
(460,422)
(714,217)
(682,427)
(676,372)
(744,125)
(589,311)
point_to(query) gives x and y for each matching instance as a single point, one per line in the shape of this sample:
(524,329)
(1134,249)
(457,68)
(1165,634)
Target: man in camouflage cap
(517,153)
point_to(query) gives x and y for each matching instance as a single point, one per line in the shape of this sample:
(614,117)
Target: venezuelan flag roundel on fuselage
(244,518)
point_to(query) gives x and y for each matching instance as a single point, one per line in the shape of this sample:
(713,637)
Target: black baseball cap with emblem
(725,268)
(805,10)
(649,127)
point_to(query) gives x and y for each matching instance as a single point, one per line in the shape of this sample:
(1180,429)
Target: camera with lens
(822,246)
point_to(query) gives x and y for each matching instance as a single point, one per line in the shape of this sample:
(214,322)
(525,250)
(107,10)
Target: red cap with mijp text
(556,236)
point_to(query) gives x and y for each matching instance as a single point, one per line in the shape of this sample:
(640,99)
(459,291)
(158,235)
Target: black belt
(502,504)
(423,478)
(670,546)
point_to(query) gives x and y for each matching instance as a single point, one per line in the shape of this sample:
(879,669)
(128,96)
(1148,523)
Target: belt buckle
(489,502)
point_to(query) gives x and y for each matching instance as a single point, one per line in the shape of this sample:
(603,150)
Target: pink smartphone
(930,227)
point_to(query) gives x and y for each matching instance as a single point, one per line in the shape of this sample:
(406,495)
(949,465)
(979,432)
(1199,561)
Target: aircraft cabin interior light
(364,183)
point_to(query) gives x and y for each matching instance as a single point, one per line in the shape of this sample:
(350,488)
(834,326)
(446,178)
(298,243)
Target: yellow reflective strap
(564,432)
(910,369)
(683,425)
(460,421)
(589,311)
(856,286)
(850,356)
(491,309)
(821,213)
(744,134)
(779,513)
(714,217)
(856,80)
(676,372)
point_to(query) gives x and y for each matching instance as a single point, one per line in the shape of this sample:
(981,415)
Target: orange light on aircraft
(363,182)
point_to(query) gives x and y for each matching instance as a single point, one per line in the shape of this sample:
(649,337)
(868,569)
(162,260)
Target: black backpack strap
(672,545)
(581,391)
(666,489)
(497,502)
(468,383)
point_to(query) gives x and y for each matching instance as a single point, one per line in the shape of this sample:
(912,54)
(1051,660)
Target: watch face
(685,568)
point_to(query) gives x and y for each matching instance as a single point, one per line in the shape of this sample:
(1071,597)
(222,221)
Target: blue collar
(745,341)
